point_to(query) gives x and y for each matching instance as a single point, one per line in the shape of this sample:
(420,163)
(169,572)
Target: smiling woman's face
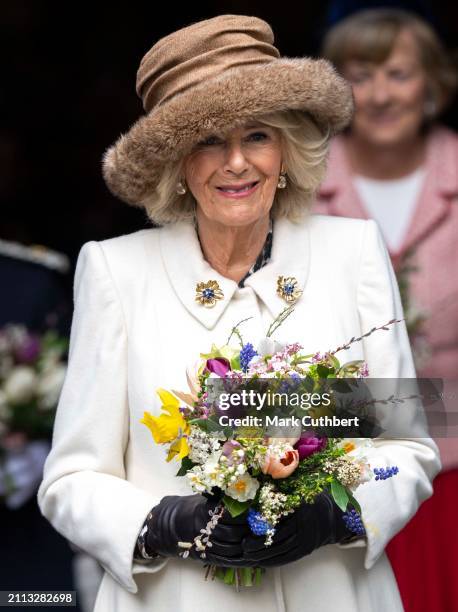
(389,97)
(234,177)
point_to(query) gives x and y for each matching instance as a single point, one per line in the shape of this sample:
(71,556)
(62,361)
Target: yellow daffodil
(169,426)
(178,449)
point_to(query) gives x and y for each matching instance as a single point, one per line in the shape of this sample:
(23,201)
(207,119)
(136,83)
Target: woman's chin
(237,214)
(240,220)
(388,135)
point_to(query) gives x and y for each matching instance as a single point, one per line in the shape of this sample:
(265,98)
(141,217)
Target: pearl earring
(181,188)
(282,181)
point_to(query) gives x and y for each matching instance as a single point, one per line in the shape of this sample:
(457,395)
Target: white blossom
(244,488)
(20,386)
(195,480)
(267,346)
(202,444)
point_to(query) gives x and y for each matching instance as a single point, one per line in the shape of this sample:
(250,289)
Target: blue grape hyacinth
(257,524)
(384,473)
(353,522)
(246,355)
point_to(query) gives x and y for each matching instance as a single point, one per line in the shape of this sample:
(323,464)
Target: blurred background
(68,92)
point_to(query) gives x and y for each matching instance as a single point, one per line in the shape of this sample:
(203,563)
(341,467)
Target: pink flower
(292,349)
(192,376)
(280,467)
(219,366)
(307,445)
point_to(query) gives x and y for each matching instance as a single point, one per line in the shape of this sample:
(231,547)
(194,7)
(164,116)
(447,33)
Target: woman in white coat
(226,159)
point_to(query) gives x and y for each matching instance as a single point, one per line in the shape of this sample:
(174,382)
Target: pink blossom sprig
(366,335)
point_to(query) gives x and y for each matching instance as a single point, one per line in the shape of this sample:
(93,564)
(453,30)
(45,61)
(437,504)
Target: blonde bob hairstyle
(304,149)
(370,35)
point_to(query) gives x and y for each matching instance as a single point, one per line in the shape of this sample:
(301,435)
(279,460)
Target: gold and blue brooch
(207,294)
(288,289)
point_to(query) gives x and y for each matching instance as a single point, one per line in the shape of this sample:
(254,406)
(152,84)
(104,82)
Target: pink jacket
(433,234)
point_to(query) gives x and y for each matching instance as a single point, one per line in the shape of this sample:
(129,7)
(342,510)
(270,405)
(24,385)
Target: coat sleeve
(389,504)
(84,492)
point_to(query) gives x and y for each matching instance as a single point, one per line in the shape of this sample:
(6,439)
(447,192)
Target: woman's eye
(208,142)
(399,75)
(359,77)
(257,136)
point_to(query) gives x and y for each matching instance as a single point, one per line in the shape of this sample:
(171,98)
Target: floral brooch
(287,288)
(207,294)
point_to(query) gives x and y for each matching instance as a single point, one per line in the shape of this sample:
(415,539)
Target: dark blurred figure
(33,555)
(397,165)
(35,293)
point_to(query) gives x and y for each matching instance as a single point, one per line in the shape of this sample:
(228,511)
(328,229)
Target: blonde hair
(370,35)
(304,148)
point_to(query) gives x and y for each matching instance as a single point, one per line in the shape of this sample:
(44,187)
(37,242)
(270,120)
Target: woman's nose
(381,92)
(235,160)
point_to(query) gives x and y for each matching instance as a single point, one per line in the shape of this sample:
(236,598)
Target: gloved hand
(299,534)
(180,519)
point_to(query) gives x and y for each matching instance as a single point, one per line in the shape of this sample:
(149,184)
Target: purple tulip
(219,366)
(29,350)
(307,445)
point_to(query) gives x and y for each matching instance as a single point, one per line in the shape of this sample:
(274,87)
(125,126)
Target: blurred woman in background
(397,165)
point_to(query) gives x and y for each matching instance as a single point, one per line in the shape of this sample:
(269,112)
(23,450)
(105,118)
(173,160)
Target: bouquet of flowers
(266,471)
(32,371)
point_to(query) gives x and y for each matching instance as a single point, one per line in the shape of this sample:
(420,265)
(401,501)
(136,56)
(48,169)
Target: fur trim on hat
(133,165)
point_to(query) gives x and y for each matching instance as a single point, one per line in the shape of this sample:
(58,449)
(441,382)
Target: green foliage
(247,576)
(323,371)
(351,368)
(229,575)
(340,494)
(235,363)
(355,504)
(234,507)
(309,479)
(238,577)
(186,465)
(284,314)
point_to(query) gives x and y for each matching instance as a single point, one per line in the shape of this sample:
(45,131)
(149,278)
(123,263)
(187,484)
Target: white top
(391,203)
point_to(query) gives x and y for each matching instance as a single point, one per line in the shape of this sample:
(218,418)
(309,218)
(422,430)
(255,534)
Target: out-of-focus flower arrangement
(32,372)
(253,470)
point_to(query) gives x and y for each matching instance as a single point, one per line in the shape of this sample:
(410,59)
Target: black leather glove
(180,518)
(299,534)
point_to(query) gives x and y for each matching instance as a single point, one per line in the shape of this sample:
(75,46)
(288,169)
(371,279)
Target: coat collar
(436,198)
(186,266)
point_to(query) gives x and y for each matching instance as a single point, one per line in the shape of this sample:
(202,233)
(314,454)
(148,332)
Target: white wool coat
(137,326)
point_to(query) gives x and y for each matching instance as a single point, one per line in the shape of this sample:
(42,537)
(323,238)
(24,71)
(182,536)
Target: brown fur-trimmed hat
(207,78)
